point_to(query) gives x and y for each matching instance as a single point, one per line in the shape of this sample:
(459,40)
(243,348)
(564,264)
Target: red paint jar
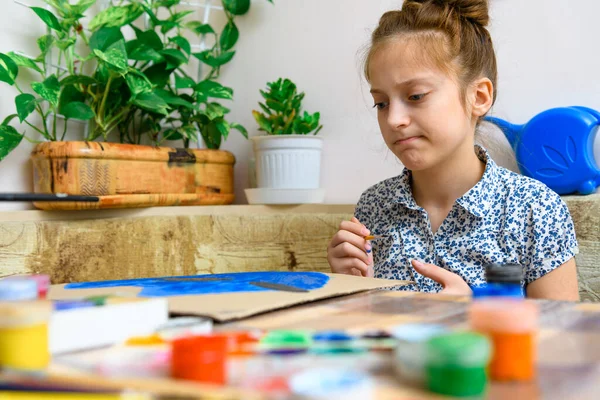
(200,358)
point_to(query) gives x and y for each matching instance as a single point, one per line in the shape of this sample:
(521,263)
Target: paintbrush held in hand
(374,237)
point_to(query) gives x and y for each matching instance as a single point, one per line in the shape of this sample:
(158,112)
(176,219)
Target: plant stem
(84,36)
(31,140)
(64,130)
(133,125)
(44,134)
(114,121)
(103,103)
(54,125)
(44,116)
(18,88)
(89,91)
(184,73)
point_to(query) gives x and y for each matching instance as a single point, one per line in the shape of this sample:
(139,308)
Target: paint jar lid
(503,273)
(414,333)
(194,345)
(42,280)
(25,313)
(179,327)
(200,358)
(377,334)
(64,305)
(240,343)
(460,349)
(332,336)
(411,349)
(331,383)
(504,315)
(286,339)
(18,289)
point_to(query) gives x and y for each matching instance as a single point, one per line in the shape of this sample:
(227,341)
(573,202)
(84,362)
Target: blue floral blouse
(504,218)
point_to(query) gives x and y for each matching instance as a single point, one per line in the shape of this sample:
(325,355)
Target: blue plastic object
(556,147)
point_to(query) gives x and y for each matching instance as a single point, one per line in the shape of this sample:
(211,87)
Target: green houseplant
(288,156)
(282,111)
(137,87)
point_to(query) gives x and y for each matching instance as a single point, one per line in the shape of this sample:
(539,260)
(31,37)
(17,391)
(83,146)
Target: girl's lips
(407,140)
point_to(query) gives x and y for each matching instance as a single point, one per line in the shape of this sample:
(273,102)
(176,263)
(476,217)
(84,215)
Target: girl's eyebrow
(407,82)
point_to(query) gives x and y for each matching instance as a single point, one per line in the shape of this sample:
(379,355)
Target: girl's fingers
(451,282)
(351,265)
(355,227)
(348,252)
(347,249)
(348,237)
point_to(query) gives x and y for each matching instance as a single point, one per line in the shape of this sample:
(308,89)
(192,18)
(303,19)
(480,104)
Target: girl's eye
(380,106)
(417,97)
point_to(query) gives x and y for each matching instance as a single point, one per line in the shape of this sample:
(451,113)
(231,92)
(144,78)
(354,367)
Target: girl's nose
(398,116)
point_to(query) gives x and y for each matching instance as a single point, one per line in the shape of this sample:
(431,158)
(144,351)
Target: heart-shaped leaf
(103,38)
(214,89)
(23,61)
(48,90)
(229,36)
(48,18)
(78,110)
(9,140)
(25,104)
(9,69)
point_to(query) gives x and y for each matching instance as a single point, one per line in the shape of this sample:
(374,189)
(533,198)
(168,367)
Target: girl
(432,71)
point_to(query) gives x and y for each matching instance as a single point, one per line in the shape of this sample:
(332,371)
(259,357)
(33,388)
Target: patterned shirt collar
(477,200)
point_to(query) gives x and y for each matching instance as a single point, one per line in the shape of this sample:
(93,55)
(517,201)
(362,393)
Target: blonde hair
(450,33)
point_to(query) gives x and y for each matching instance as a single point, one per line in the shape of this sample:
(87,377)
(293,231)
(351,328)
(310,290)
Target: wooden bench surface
(124,244)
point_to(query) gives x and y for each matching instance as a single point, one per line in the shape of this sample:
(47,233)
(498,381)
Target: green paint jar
(285,342)
(456,364)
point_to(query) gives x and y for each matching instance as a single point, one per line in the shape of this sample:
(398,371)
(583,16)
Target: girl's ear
(482,97)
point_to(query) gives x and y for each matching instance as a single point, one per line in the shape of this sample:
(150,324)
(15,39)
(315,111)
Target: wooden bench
(122,244)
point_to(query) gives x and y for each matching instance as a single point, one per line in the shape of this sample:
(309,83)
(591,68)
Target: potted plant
(138,88)
(288,156)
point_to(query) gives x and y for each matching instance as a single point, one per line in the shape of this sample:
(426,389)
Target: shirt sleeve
(552,241)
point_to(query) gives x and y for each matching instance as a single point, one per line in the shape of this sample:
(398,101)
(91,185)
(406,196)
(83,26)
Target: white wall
(547,53)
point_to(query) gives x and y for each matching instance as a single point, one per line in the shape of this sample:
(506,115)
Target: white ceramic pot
(288,161)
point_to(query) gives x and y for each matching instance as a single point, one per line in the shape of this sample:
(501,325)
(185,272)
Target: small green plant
(282,111)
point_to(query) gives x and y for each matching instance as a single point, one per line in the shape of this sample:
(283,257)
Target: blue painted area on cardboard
(215,284)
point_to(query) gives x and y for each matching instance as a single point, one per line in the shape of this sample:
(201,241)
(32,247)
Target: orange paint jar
(200,358)
(240,343)
(512,327)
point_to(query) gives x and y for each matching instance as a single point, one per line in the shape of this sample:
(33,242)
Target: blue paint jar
(502,280)
(63,305)
(334,342)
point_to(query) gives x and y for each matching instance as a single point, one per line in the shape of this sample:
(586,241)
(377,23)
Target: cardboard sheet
(226,297)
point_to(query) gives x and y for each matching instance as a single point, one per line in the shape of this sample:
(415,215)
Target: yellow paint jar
(24,335)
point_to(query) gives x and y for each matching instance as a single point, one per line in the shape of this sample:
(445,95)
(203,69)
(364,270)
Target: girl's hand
(452,283)
(348,252)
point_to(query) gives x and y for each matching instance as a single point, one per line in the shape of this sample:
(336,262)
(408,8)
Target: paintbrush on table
(38,197)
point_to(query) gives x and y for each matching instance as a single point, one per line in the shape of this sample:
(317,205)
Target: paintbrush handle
(374,237)
(46,197)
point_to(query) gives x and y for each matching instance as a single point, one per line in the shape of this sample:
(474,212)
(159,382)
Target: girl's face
(419,108)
